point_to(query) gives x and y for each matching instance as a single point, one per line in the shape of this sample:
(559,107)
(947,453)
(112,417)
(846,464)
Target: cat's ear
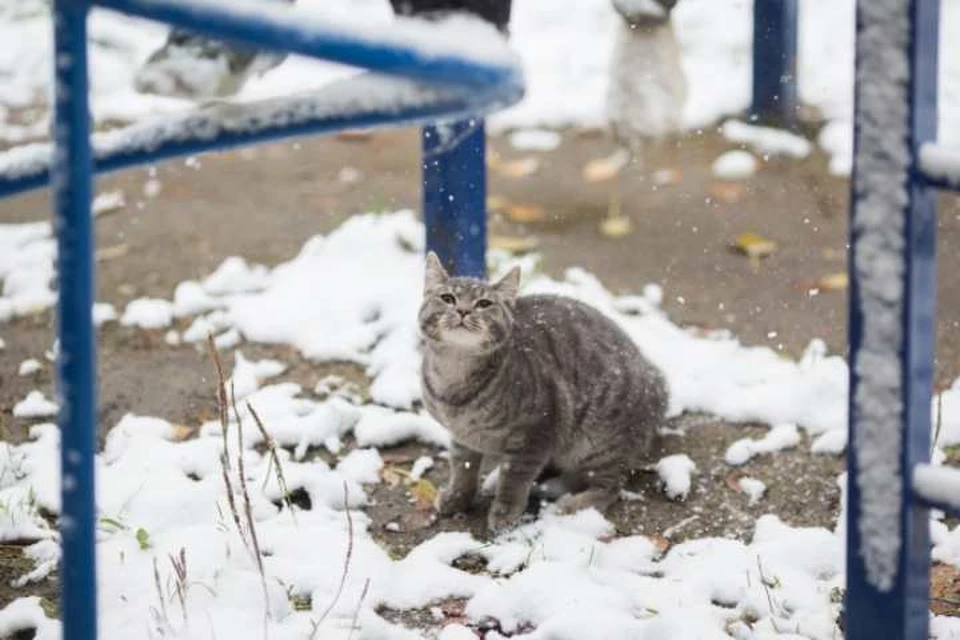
(435,273)
(509,285)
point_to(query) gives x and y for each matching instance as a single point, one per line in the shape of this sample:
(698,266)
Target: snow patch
(674,472)
(734,165)
(29,367)
(767,141)
(753,488)
(780,437)
(35,405)
(535,140)
(148,313)
(937,485)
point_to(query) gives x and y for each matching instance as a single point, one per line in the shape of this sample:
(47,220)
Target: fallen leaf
(111,253)
(392,476)
(525,213)
(667,177)
(607,168)
(181,432)
(520,168)
(513,244)
(425,492)
(660,543)
(354,135)
(834,282)
(616,227)
(727,192)
(754,245)
(496,204)
(733,481)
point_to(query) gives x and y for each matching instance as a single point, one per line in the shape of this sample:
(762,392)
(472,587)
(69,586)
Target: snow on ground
(163,502)
(735,164)
(364,311)
(715,36)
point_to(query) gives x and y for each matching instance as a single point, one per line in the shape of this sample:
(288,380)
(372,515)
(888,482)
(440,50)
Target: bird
(196,67)
(646,95)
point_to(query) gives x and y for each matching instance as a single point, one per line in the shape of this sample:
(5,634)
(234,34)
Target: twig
(356,612)
(774,610)
(221,390)
(346,564)
(252,544)
(271,445)
(156,583)
(248,512)
(225,465)
(179,564)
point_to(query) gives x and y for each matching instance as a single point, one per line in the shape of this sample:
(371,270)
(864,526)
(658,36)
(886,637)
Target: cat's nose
(463,312)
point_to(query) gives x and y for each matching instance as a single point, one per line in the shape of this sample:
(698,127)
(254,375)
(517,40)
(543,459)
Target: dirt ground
(263,203)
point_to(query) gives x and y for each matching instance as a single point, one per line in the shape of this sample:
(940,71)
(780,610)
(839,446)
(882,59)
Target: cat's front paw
(451,501)
(503,516)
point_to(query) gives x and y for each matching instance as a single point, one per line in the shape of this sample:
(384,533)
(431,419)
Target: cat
(533,381)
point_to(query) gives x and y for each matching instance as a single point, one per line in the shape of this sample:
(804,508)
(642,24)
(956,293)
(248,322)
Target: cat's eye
(482,303)
(448,298)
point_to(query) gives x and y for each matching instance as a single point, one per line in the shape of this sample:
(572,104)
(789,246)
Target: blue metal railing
(892,239)
(775,61)
(893,320)
(435,79)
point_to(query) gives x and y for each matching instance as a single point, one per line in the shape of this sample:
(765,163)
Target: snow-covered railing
(362,101)
(463,67)
(897,166)
(457,68)
(940,165)
(938,487)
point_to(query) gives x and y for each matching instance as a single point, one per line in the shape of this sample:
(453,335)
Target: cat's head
(466,313)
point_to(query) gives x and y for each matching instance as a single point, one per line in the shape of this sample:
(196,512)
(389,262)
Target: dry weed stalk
(356,612)
(163,602)
(346,566)
(248,533)
(179,564)
(274,462)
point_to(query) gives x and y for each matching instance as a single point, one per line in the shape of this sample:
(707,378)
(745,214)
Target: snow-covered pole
(775,61)
(892,319)
(71,177)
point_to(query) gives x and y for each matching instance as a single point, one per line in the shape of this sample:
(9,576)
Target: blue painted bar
(948,509)
(324,42)
(455,195)
(775,62)
(76,364)
(449,106)
(902,612)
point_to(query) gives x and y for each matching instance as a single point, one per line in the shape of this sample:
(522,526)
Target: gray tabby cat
(533,381)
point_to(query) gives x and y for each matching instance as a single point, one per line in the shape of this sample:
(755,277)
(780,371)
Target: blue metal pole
(775,61)
(899,610)
(72,171)
(455,195)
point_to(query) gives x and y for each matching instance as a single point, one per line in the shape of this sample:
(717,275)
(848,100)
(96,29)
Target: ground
(263,202)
